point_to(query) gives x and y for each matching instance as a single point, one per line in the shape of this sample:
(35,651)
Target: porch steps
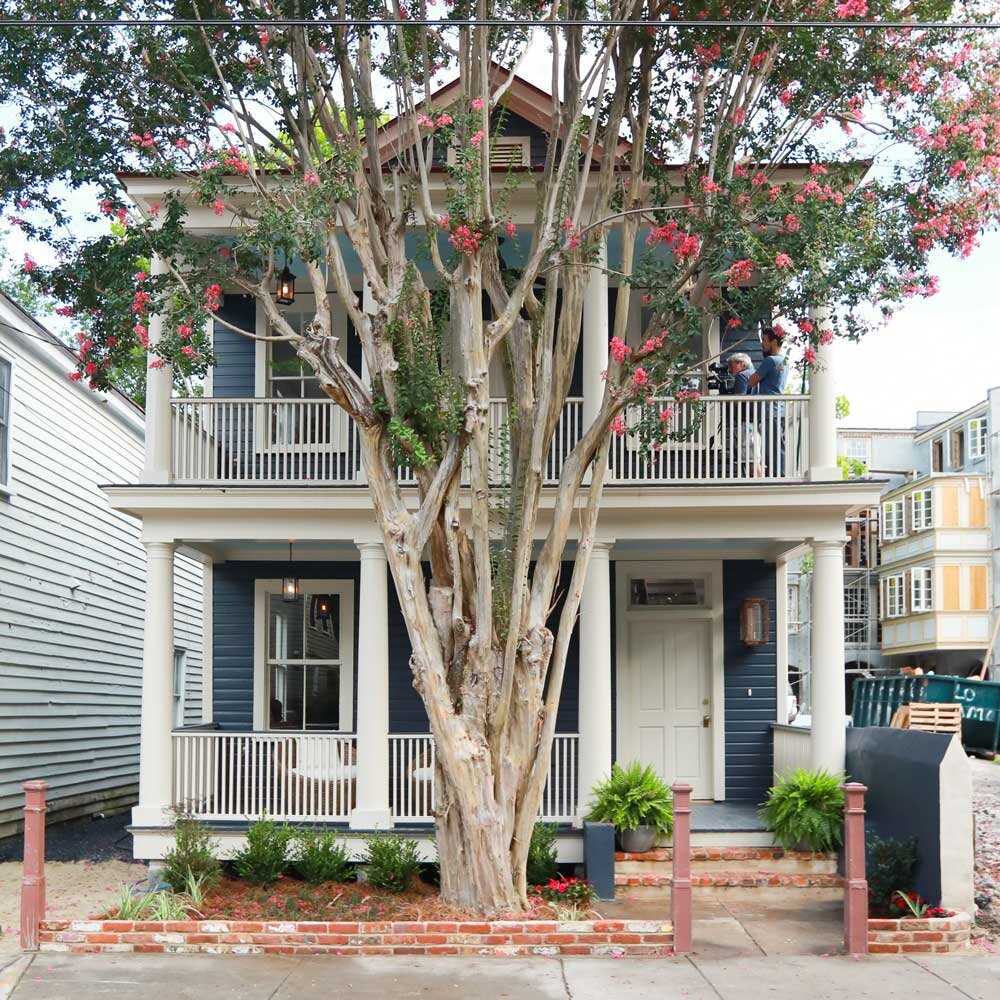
(717,869)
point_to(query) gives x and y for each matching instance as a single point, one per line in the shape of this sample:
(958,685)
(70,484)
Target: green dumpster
(877,698)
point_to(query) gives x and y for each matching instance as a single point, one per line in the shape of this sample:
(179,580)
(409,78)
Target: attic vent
(509,151)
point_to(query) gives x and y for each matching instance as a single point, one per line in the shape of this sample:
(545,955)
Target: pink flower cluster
(620,351)
(852,8)
(740,272)
(466,240)
(213,298)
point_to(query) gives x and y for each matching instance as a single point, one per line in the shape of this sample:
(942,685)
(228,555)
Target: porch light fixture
(290,583)
(755,622)
(285,293)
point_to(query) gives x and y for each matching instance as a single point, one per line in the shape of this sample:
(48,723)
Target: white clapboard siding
(72,575)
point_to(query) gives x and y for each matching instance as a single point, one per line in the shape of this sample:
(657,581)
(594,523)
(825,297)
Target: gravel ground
(986,806)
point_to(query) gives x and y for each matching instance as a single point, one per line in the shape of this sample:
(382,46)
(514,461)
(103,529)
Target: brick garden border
(611,938)
(907,935)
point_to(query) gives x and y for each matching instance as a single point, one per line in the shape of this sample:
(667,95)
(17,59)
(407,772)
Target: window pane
(284,633)
(323,627)
(286,696)
(322,697)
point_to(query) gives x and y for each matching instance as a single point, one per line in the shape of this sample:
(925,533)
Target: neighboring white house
(72,582)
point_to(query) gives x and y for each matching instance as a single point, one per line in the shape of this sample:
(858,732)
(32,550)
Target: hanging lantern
(290,583)
(285,293)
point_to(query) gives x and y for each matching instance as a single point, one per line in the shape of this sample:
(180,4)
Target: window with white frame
(921,589)
(6,379)
(893,597)
(307,669)
(923,509)
(180,670)
(893,519)
(858,449)
(978,437)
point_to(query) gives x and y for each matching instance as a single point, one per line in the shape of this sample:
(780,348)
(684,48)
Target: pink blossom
(229,127)
(619,349)
(708,185)
(311,178)
(689,246)
(444,119)
(181,144)
(783,260)
(792,224)
(476,139)
(851,8)
(445,222)
(640,377)
(157,363)
(806,326)
(618,425)
(477,104)
(816,169)
(511,228)
(74,376)
(264,38)
(424,122)
(958,168)
(809,355)
(826,337)
(218,206)
(741,271)
(141,276)
(29,264)
(142,334)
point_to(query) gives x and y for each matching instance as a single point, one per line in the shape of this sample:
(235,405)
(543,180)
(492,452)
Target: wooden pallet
(929,717)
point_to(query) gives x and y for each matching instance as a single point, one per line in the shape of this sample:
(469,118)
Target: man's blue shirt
(773,372)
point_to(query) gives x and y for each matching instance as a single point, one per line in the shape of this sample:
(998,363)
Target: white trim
(922,509)
(6,489)
(889,608)
(179,683)
(781,625)
(925,589)
(982,437)
(344,589)
(207,639)
(893,528)
(712,612)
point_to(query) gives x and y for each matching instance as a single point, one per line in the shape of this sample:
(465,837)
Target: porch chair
(321,777)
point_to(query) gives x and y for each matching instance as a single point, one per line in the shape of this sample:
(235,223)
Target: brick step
(734,879)
(773,860)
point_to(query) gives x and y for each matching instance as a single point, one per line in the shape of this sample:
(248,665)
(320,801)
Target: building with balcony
(312,712)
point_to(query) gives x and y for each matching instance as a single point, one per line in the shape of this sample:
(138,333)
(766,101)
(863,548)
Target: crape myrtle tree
(746,169)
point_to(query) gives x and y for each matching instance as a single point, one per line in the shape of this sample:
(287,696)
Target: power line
(334,22)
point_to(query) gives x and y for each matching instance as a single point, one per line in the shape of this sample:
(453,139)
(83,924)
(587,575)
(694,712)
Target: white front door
(669,699)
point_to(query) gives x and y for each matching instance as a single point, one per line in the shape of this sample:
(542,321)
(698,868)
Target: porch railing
(411,779)
(303,441)
(311,776)
(287,776)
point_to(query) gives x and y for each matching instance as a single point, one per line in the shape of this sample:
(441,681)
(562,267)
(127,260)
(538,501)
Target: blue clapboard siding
(751,684)
(233,375)
(233,641)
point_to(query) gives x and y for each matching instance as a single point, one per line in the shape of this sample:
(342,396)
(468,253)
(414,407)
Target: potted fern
(639,803)
(805,810)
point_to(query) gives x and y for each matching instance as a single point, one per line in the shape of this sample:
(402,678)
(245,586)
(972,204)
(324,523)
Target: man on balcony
(769,380)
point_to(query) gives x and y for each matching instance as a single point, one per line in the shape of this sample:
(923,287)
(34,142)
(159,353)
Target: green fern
(633,796)
(806,809)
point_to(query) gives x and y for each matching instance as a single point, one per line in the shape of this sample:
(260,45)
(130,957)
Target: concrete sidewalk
(195,977)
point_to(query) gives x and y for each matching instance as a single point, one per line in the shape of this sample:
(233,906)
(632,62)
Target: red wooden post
(856,888)
(680,882)
(33,881)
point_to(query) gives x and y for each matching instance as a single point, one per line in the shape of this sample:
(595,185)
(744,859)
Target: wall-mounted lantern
(755,622)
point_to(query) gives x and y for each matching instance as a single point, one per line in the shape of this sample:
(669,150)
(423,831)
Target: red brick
(409,927)
(493,939)
(467,927)
(374,949)
(921,947)
(626,938)
(409,951)
(883,925)
(442,927)
(526,939)
(337,927)
(149,925)
(121,925)
(103,938)
(332,939)
(928,936)
(442,949)
(575,949)
(243,926)
(151,948)
(883,949)
(608,926)
(560,939)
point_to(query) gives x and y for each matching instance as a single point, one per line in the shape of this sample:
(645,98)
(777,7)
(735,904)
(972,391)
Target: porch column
(157,716)
(371,809)
(829,740)
(595,676)
(159,386)
(595,336)
(822,407)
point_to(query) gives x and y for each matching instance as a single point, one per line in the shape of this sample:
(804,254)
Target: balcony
(720,439)
(310,777)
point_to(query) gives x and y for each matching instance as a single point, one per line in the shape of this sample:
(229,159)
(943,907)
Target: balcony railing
(312,776)
(304,441)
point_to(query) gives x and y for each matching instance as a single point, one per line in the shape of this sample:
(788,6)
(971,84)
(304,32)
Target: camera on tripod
(720,379)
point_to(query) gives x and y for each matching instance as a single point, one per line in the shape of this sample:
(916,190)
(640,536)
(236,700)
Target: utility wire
(339,22)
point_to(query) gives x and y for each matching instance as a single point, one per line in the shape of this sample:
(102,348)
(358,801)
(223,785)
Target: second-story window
(858,449)
(923,510)
(956,448)
(289,377)
(921,589)
(978,437)
(893,519)
(893,597)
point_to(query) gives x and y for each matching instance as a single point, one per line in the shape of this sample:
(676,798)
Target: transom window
(921,589)
(5,410)
(978,437)
(894,601)
(307,669)
(893,519)
(923,509)
(647,592)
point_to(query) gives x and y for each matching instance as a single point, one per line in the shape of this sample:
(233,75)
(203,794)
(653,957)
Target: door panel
(669,697)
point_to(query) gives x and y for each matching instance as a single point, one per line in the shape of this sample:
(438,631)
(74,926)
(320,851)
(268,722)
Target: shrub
(805,809)
(193,855)
(265,856)
(542,853)
(633,796)
(889,864)
(159,905)
(391,862)
(321,857)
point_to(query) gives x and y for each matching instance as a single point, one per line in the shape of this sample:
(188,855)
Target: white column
(595,336)
(595,674)
(159,385)
(372,806)
(157,717)
(829,739)
(822,408)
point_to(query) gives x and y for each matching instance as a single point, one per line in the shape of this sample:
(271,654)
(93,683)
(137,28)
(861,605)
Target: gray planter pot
(639,840)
